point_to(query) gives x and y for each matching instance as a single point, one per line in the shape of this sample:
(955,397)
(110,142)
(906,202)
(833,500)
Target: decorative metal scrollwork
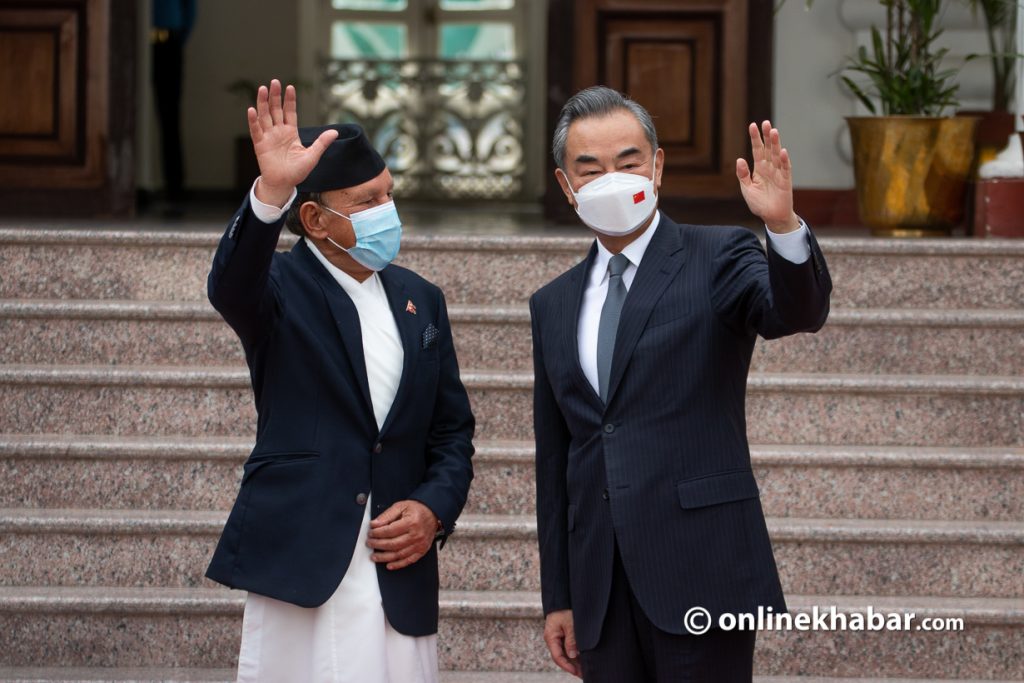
(448,129)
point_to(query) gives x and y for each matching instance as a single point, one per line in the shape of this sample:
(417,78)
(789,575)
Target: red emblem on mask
(638,197)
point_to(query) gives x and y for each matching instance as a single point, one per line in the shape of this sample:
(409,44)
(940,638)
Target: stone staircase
(889,449)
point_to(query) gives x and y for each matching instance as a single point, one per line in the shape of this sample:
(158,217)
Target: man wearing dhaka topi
(364,430)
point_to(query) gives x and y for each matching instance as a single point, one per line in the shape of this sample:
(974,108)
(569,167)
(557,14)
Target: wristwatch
(442,534)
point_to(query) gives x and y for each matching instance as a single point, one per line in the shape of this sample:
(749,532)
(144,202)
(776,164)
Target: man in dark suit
(364,430)
(646,503)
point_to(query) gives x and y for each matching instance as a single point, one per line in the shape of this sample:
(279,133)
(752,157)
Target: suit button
(378,447)
(609,428)
(604,494)
(361,499)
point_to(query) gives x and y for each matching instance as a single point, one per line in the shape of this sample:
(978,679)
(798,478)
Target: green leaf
(855,89)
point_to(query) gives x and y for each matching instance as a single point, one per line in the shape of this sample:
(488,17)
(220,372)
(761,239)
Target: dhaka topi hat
(348,161)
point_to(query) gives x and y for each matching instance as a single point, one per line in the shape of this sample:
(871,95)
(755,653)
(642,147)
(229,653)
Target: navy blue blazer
(318,452)
(663,470)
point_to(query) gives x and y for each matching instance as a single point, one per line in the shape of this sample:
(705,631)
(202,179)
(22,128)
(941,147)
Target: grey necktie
(609,323)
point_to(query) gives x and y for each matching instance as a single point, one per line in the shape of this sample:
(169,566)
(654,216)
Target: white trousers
(345,640)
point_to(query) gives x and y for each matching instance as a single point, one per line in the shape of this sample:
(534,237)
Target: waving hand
(768,191)
(284,161)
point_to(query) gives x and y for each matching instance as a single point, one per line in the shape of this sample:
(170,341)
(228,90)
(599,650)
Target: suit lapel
(407,329)
(572,304)
(661,261)
(346,318)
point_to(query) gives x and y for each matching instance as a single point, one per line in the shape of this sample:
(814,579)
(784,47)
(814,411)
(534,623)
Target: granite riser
(178,675)
(807,565)
(509,644)
(169,273)
(853,349)
(508,488)
(193,675)
(774,415)
(156,674)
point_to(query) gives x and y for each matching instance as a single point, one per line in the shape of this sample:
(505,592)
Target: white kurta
(348,638)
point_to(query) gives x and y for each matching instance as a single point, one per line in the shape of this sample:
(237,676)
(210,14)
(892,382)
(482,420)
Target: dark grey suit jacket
(663,470)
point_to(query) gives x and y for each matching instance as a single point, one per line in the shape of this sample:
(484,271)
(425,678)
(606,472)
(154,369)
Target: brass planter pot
(912,172)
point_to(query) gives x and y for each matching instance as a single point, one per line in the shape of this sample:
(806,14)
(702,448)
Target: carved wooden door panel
(67,111)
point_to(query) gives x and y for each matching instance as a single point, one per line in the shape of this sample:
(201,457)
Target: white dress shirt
(382,345)
(792,246)
(348,638)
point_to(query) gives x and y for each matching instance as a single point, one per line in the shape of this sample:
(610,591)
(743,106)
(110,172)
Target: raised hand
(768,191)
(284,161)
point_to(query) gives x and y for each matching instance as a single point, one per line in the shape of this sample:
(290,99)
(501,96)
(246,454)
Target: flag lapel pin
(410,307)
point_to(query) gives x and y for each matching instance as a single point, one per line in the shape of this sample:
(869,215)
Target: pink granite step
(115,675)
(184,333)
(121,472)
(829,679)
(827,557)
(492,552)
(869,341)
(555,676)
(164,675)
(911,410)
(105,264)
(796,481)
(192,333)
(152,675)
(494,632)
(902,341)
(811,481)
(891,482)
(868,273)
(111,627)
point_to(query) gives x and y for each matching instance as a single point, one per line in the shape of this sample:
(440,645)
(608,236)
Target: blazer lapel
(661,261)
(572,304)
(408,330)
(346,319)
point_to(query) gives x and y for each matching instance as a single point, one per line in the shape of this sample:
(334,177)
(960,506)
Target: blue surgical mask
(378,235)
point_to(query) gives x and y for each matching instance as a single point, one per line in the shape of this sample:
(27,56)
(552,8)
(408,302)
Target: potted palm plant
(911,159)
(912,162)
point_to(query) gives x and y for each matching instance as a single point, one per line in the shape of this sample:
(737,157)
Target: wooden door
(67,77)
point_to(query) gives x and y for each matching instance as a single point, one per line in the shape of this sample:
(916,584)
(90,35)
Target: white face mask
(616,203)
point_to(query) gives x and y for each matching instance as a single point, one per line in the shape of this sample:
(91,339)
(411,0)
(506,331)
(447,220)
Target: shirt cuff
(265,212)
(792,246)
